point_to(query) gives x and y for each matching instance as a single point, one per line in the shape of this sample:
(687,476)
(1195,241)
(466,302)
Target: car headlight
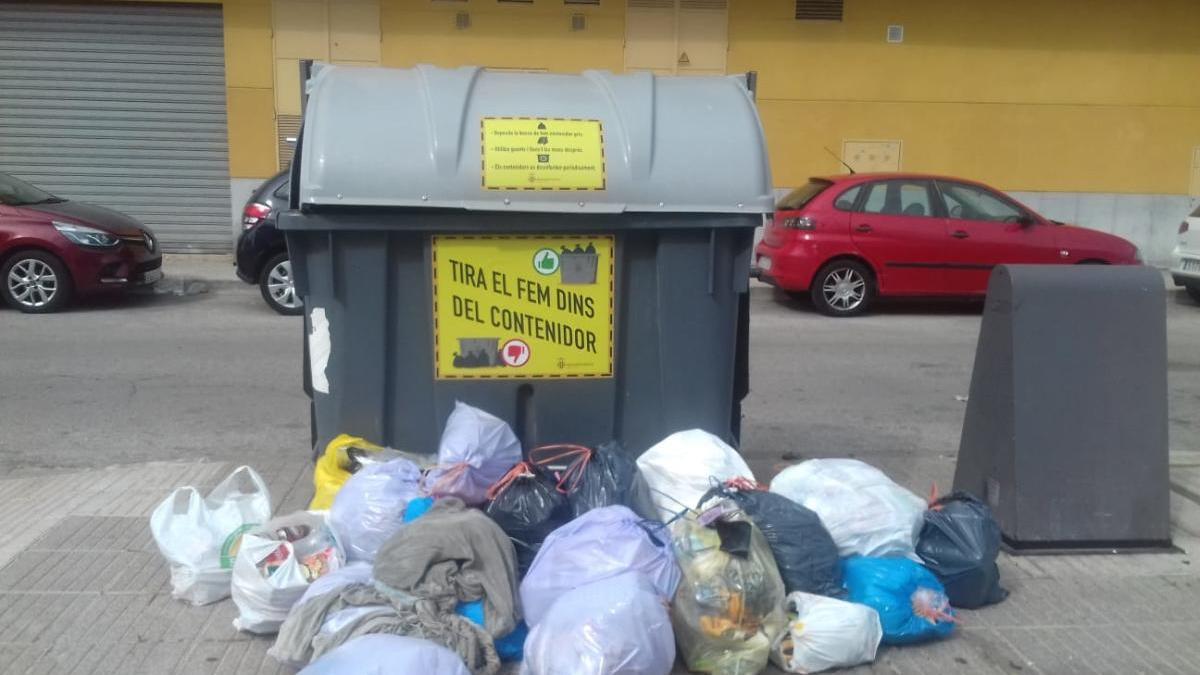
(86,236)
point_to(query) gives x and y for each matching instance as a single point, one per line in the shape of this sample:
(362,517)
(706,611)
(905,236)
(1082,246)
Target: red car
(52,249)
(846,240)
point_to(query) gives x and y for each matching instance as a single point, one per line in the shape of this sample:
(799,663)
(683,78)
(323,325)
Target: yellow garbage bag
(333,469)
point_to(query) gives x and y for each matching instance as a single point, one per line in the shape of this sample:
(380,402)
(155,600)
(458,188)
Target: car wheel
(843,288)
(35,282)
(278,287)
(1194,291)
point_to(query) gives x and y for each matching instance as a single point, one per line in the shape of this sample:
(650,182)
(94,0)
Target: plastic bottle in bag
(276,563)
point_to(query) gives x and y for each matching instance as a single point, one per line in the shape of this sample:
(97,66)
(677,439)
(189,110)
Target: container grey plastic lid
(472,138)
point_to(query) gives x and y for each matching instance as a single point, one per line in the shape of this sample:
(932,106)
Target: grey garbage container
(1065,433)
(567,252)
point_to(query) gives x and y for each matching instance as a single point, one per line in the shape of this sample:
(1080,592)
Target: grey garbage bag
(959,543)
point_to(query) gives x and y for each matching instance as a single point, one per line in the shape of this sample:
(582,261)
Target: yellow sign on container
(542,153)
(522,306)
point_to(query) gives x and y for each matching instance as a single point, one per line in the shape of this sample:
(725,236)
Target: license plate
(151,277)
(1190,265)
(764,264)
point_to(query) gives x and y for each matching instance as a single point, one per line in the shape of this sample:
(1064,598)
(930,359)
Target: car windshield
(16,192)
(796,199)
(1196,213)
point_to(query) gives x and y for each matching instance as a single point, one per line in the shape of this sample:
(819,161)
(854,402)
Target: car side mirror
(1027,220)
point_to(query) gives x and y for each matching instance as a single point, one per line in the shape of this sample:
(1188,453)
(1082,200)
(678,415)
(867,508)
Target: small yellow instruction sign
(522,306)
(542,153)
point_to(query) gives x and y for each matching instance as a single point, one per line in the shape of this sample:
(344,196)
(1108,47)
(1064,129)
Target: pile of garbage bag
(587,559)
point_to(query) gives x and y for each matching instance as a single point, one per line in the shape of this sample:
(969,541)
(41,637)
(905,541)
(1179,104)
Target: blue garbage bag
(911,602)
(510,647)
(417,508)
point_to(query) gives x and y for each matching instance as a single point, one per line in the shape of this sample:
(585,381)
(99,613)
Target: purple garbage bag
(600,544)
(369,508)
(476,450)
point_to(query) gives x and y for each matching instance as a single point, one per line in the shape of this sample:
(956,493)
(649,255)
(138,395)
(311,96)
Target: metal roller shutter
(121,105)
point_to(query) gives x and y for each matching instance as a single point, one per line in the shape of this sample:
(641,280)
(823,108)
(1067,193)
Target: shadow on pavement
(904,307)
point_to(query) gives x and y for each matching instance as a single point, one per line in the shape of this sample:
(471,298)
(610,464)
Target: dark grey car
(262,256)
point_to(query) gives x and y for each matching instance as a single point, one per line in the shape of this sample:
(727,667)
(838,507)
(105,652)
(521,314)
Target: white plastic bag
(388,655)
(825,633)
(476,450)
(369,508)
(615,626)
(865,512)
(680,469)
(276,564)
(199,537)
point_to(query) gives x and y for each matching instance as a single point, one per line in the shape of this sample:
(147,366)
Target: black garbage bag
(528,508)
(959,543)
(592,478)
(804,552)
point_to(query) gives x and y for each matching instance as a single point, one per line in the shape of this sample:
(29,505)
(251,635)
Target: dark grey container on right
(1065,433)
(385,171)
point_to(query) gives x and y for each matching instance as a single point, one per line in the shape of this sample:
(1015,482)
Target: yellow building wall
(534,36)
(249,88)
(1070,95)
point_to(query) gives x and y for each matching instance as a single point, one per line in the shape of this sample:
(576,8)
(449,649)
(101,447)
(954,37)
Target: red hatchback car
(846,240)
(52,249)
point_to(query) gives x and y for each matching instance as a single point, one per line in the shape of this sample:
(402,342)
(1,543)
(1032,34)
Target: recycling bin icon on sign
(578,265)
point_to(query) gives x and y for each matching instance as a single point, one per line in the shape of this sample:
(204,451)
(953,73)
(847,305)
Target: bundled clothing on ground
(450,555)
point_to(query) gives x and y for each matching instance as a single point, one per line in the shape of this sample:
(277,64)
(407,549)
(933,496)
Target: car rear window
(796,199)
